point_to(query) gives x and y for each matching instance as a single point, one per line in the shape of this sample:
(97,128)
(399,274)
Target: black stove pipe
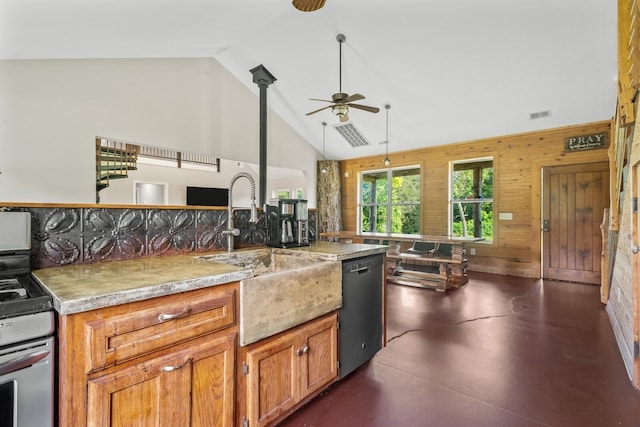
(263,78)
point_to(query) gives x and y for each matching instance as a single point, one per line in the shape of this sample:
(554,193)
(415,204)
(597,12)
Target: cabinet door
(272,382)
(318,365)
(213,384)
(285,370)
(190,386)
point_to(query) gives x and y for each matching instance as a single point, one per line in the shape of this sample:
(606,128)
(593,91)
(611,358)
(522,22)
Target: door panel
(574,199)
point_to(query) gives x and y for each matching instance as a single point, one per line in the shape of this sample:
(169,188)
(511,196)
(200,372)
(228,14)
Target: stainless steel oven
(26,384)
(27,325)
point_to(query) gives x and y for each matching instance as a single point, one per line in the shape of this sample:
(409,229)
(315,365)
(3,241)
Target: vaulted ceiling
(451,70)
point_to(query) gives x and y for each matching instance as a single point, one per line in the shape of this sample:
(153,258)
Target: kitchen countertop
(78,288)
(85,287)
(332,251)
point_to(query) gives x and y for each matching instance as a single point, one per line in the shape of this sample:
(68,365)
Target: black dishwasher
(361,328)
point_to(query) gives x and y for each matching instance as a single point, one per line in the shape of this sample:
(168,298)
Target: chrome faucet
(230,232)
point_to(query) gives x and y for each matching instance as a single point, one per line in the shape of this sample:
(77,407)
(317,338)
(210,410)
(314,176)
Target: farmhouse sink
(262,261)
(286,290)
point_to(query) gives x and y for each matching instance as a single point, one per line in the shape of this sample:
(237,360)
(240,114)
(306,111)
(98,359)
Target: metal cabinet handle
(166,316)
(173,368)
(22,362)
(302,351)
(635,249)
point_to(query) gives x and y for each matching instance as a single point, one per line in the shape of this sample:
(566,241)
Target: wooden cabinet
(284,371)
(185,387)
(166,361)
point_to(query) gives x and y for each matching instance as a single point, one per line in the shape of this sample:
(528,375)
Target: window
(287,193)
(390,201)
(471,201)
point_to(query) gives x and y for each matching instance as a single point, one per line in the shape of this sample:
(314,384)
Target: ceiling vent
(351,134)
(540,114)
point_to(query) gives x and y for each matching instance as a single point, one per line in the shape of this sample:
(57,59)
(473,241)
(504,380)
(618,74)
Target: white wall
(52,110)
(121,191)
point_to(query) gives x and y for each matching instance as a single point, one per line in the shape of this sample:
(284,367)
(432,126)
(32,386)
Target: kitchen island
(131,330)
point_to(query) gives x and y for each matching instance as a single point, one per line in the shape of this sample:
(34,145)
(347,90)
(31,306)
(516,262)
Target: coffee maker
(287,223)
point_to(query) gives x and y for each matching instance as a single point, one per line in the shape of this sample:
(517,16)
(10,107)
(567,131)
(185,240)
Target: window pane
(406,187)
(471,199)
(367,220)
(374,188)
(406,219)
(367,191)
(464,219)
(381,219)
(381,191)
(281,194)
(462,187)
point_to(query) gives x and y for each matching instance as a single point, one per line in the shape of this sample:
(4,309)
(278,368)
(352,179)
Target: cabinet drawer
(155,324)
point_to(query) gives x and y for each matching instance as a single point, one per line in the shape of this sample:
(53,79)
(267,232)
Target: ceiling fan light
(340,109)
(308,5)
(387,161)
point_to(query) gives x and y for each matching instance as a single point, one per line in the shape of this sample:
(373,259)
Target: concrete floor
(500,351)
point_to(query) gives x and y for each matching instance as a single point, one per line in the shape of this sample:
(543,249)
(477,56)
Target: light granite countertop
(79,288)
(85,287)
(334,251)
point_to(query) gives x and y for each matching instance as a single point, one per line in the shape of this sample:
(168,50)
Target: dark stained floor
(500,351)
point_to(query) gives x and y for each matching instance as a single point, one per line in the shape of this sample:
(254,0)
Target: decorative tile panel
(67,235)
(56,235)
(250,234)
(111,234)
(209,228)
(171,231)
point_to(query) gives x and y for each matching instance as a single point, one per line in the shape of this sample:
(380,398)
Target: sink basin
(262,261)
(286,290)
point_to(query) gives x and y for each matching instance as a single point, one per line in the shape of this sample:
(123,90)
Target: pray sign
(586,142)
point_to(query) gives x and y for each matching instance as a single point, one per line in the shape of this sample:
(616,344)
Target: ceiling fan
(341,101)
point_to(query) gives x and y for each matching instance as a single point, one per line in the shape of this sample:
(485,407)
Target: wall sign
(586,142)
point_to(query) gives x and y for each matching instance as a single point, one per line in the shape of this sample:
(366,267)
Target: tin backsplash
(67,236)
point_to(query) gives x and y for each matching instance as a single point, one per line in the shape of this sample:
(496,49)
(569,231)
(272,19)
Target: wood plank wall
(518,161)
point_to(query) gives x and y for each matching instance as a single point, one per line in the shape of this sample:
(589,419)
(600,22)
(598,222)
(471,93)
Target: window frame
(389,204)
(288,193)
(478,201)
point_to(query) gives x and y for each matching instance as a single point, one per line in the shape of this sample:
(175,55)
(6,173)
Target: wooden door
(574,199)
(320,355)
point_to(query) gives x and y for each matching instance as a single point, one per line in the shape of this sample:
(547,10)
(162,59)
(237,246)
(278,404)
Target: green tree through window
(471,201)
(390,201)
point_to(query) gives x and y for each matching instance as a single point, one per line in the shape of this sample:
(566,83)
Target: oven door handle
(22,362)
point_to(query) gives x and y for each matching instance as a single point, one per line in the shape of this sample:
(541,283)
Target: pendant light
(308,5)
(387,161)
(324,128)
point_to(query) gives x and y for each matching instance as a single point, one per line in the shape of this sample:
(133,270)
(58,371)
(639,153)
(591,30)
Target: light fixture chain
(387,161)
(324,128)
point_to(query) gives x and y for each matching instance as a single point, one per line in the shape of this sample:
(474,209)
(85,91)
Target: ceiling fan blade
(365,108)
(319,109)
(354,97)
(344,118)
(323,100)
